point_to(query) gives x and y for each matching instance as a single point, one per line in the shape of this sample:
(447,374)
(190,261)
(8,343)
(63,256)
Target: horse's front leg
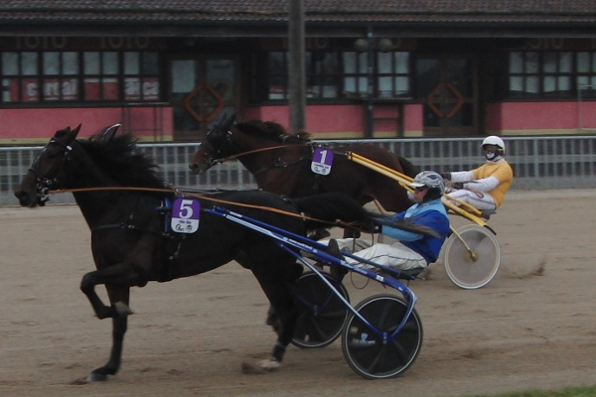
(118,286)
(118,298)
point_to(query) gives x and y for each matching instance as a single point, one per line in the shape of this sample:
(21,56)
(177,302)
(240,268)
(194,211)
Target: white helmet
(494,140)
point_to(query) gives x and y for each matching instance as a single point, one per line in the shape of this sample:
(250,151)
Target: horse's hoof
(269,365)
(251,369)
(79,381)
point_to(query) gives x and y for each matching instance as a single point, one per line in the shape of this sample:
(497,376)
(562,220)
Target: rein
(200,196)
(235,156)
(278,164)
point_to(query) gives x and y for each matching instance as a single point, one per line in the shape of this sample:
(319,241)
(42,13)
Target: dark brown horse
(281,163)
(124,203)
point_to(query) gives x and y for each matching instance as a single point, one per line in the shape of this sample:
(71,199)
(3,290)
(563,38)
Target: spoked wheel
(366,353)
(476,267)
(323,314)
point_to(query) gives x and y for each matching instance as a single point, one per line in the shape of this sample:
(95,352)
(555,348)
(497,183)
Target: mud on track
(531,327)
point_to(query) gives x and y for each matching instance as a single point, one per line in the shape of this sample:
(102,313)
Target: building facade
(168,70)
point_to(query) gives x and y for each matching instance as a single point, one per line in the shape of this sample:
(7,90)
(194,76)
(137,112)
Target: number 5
(186,210)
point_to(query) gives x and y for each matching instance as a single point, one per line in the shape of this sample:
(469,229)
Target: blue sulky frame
(287,239)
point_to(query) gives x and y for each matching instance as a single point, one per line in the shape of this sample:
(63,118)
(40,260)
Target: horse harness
(166,211)
(43,183)
(224,147)
(283,164)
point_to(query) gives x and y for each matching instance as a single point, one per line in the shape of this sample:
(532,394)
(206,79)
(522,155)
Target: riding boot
(351,233)
(337,271)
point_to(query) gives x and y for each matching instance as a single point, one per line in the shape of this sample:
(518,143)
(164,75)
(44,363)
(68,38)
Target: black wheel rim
(323,314)
(367,350)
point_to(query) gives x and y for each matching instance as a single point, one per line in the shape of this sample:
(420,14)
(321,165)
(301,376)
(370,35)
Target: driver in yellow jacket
(483,187)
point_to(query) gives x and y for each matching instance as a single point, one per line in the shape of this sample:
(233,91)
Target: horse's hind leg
(278,291)
(272,317)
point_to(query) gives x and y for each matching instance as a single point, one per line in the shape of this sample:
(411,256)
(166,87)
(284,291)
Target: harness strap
(168,273)
(129,226)
(279,164)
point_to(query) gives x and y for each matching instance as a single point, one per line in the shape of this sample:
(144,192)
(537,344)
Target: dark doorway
(447,85)
(202,90)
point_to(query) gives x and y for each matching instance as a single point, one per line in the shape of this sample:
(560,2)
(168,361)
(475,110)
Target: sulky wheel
(474,267)
(323,314)
(366,352)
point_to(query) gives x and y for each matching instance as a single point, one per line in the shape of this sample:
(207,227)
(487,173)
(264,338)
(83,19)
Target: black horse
(122,199)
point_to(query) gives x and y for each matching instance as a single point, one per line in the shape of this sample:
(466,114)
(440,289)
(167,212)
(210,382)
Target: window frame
(51,75)
(355,79)
(588,75)
(532,68)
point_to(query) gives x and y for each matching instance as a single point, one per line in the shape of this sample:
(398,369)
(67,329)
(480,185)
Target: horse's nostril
(193,166)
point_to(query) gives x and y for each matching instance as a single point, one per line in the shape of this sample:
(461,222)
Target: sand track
(531,327)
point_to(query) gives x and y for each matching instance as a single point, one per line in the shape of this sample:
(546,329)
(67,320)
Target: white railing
(552,162)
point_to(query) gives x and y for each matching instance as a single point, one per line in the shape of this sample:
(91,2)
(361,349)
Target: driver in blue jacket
(412,250)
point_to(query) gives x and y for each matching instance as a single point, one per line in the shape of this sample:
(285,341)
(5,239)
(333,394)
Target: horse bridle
(223,149)
(44,183)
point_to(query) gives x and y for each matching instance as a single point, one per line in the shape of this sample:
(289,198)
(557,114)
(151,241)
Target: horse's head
(216,145)
(47,171)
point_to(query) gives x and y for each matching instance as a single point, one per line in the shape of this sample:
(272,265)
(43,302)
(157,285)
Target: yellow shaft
(404,180)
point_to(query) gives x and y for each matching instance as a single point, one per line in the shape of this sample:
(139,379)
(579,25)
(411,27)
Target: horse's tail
(324,210)
(408,168)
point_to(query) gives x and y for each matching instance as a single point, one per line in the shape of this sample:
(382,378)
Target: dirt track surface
(531,327)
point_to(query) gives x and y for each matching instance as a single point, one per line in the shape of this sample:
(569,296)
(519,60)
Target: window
(355,72)
(338,74)
(586,73)
(540,74)
(20,77)
(393,69)
(55,76)
(278,75)
(60,76)
(523,74)
(101,76)
(557,67)
(141,82)
(391,74)
(321,76)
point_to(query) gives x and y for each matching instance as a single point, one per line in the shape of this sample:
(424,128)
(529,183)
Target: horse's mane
(119,158)
(408,168)
(273,131)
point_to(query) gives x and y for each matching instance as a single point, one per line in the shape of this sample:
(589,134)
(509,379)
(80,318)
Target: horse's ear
(109,132)
(73,134)
(67,134)
(227,122)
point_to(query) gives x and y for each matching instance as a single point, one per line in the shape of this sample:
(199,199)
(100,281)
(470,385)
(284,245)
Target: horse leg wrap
(278,352)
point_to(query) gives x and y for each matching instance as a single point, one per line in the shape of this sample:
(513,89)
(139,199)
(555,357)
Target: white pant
(480,200)
(394,255)
(350,244)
